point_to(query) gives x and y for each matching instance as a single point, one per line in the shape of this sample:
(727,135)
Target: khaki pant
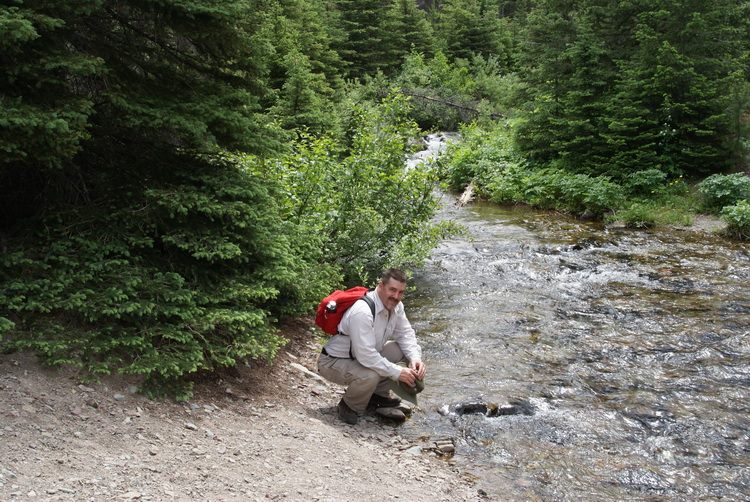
(361,382)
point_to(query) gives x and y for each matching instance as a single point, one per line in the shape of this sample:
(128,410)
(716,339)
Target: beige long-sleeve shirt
(367,335)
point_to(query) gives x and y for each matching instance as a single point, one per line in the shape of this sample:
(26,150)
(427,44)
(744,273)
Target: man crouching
(364,354)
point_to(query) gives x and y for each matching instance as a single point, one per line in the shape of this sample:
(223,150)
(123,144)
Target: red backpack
(332,308)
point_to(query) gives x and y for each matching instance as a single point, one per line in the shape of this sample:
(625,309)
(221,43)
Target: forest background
(179,176)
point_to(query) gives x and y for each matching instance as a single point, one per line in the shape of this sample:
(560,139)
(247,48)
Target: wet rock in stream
(490,410)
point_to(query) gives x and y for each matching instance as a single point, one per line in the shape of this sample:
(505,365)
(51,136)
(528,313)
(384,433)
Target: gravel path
(264,433)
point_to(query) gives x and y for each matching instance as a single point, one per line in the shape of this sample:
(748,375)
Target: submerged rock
(515,407)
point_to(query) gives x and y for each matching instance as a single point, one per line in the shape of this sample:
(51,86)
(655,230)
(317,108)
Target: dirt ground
(263,433)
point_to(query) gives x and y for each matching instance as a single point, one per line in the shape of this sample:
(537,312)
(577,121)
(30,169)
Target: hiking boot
(347,414)
(377,401)
(391,414)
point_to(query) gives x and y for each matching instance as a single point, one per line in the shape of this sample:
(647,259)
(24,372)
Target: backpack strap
(371,303)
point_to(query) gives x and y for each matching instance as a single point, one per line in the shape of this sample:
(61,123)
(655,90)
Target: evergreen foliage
(85,79)
(302,101)
(130,243)
(305,71)
(413,31)
(569,73)
(615,89)
(467,28)
(738,113)
(380,33)
(43,122)
(311,28)
(674,91)
(367,47)
(181,276)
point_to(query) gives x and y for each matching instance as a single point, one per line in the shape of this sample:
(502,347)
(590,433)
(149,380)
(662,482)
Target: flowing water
(622,358)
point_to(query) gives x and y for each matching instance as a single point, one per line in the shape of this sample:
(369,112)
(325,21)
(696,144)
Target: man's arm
(404,335)
(406,338)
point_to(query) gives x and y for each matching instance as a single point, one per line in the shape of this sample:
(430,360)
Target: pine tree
(303,100)
(131,240)
(472,27)
(44,123)
(669,108)
(411,27)
(613,89)
(309,28)
(366,43)
(380,33)
(550,29)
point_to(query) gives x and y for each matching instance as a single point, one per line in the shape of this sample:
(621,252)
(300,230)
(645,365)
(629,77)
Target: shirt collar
(378,304)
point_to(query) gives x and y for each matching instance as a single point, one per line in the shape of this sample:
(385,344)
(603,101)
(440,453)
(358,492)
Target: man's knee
(349,374)
(392,352)
(368,378)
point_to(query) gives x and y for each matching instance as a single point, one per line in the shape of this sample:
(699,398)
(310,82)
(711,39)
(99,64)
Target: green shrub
(367,210)
(648,214)
(550,188)
(737,218)
(719,190)
(637,215)
(645,183)
(481,155)
(508,187)
(487,158)
(542,188)
(431,83)
(447,94)
(500,89)
(581,194)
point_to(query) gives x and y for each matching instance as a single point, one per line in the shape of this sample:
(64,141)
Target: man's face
(391,292)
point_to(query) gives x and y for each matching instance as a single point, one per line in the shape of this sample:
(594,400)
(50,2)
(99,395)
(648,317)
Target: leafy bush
(542,188)
(719,190)
(508,188)
(486,157)
(645,183)
(480,157)
(550,188)
(494,85)
(737,218)
(448,93)
(367,210)
(586,195)
(637,215)
(432,83)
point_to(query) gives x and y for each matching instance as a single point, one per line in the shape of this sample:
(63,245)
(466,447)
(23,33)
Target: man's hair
(393,273)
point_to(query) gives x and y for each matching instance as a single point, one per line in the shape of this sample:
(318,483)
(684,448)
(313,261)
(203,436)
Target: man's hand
(408,376)
(419,369)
